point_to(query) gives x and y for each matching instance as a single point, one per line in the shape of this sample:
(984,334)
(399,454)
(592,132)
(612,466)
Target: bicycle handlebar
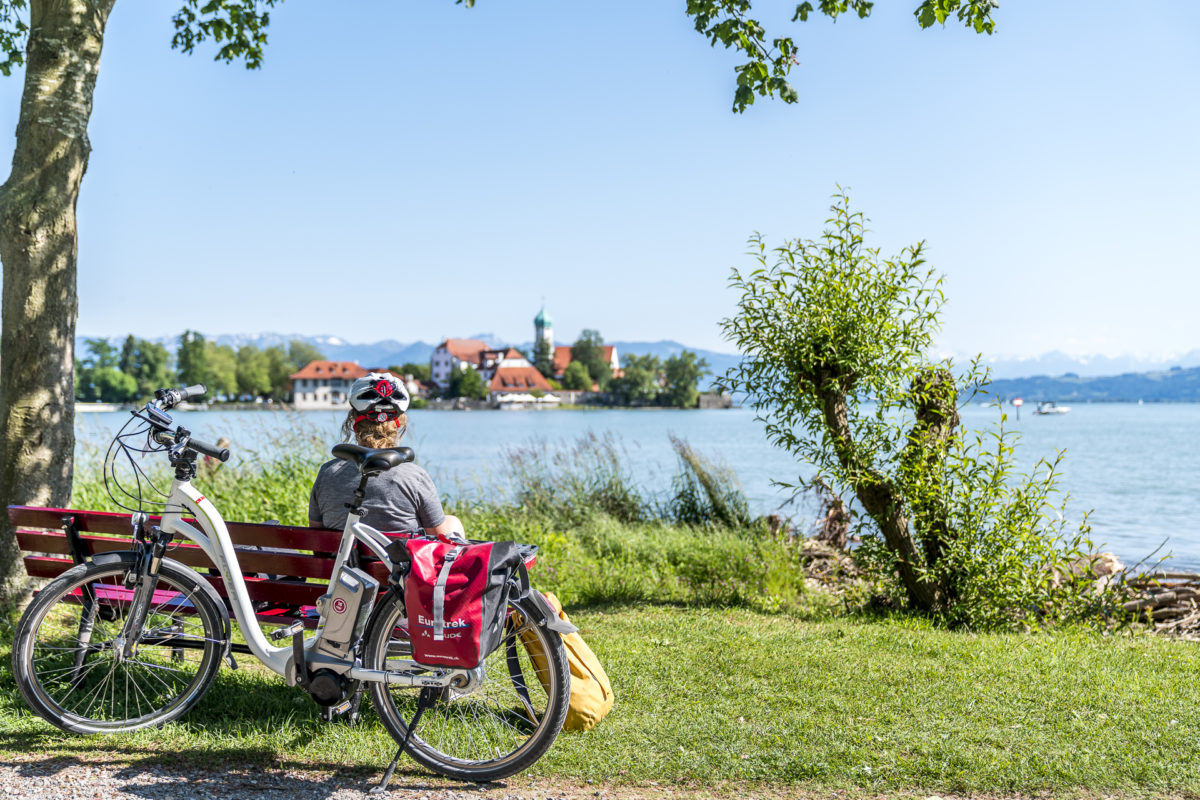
(204,448)
(169,398)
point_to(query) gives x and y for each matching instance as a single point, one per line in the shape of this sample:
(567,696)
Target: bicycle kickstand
(426,700)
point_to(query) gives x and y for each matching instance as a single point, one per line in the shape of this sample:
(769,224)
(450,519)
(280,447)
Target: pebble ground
(106,776)
(71,779)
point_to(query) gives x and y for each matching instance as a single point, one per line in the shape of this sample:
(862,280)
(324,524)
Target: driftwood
(1168,601)
(829,566)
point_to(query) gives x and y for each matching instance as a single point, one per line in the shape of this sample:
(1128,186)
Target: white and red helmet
(378,396)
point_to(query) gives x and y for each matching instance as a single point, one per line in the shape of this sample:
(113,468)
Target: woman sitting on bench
(399,500)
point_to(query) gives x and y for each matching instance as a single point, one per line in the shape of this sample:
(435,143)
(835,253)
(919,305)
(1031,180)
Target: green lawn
(706,696)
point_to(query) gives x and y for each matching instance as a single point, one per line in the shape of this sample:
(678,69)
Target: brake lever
(182,437)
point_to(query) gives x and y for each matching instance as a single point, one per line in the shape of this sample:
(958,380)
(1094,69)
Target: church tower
(543,328)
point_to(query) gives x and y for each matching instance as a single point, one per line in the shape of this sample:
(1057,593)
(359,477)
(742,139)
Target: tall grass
(705,493)
(606,540)
(575,480)
(268,483)
(602,538)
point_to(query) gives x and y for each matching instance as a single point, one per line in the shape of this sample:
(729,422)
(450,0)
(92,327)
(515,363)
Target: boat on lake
(1047,407)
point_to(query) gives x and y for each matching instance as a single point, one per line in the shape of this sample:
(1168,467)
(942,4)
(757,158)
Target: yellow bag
(591,693)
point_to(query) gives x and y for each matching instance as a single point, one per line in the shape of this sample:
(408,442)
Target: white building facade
(324,384)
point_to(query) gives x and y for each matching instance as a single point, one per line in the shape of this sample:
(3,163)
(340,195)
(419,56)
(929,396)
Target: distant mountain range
(390,352)
(1175,385)
(1058,363)
(1050,376)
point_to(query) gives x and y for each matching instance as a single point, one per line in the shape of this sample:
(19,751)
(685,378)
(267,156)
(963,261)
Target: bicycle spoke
(73,676)
(492,729)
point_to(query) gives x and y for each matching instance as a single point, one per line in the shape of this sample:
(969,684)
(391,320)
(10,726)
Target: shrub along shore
(727,664)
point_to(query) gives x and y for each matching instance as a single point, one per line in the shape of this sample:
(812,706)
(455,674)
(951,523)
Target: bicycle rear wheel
(67,653)
(491,729)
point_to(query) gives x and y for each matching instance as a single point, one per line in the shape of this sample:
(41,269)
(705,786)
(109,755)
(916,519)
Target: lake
(1133,466)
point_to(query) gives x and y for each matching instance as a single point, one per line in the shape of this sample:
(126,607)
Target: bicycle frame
(215,541)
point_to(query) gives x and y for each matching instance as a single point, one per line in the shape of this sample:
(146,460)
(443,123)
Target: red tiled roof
(465,349)
(562,356)
(518,379)
(324,370)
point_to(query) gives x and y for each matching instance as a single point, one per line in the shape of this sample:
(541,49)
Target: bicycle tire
(64,654)
(486,733)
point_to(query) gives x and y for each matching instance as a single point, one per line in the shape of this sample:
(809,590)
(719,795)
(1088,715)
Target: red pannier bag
(456,595)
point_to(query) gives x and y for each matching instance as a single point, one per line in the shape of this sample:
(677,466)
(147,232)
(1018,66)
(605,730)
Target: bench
(56,539)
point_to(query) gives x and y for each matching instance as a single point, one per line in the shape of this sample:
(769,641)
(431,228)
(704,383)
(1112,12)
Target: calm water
(1134,466)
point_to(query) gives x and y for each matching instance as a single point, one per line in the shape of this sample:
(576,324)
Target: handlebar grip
(169,398)
(219,453)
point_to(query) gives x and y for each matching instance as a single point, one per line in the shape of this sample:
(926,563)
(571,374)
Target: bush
(836,341)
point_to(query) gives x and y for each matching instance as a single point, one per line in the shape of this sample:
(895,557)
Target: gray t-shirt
(398,500)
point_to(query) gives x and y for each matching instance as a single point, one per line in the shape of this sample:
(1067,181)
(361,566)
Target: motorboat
(1048,407)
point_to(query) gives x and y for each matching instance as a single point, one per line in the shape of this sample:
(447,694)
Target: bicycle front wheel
(500,724)
(69,656)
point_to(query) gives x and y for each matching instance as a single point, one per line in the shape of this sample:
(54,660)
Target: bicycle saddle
(372,462)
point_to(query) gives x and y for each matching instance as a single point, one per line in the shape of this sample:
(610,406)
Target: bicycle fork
(143,582)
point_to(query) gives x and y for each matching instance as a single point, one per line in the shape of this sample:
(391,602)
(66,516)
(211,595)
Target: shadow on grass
(218,754)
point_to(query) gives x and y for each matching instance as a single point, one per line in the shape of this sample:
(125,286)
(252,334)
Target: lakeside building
(326,384)
(562,359)
(543,329)
(515,379)
(488,361)
(460,353)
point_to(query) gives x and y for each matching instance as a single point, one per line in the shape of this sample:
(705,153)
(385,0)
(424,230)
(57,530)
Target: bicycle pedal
(340,708)
(287,633)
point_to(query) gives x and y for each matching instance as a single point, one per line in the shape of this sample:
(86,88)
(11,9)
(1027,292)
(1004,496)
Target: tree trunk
(38,246)
(935,400)
(881,501)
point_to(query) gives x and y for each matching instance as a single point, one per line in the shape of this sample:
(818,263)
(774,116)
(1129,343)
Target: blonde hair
(373,434)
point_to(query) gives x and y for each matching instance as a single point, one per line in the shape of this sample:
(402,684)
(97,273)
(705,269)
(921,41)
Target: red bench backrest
(41,531)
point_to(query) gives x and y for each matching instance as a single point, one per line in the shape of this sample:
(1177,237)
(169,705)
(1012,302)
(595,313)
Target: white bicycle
(134,639)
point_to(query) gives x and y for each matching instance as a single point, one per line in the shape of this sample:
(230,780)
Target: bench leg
(83,639)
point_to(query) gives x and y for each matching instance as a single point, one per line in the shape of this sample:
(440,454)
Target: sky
(416,170)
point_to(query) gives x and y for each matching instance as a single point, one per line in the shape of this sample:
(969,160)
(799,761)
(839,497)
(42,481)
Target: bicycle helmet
(378,396)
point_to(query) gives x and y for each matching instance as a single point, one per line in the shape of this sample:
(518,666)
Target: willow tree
(59,43)
(836,341)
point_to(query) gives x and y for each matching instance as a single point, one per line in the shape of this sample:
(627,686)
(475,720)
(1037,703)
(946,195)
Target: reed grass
(602,538)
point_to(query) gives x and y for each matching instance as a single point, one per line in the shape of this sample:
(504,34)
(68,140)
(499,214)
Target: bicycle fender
(115,556)
(550,617)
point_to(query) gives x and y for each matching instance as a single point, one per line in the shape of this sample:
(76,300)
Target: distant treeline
(1174,385)
(131,373)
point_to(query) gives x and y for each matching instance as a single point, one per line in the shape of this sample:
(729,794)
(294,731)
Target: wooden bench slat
(107,522)
(298,564)
(287,593)
(46,567)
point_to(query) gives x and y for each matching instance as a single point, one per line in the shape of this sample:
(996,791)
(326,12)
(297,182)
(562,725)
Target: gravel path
(59,778)
(72,779)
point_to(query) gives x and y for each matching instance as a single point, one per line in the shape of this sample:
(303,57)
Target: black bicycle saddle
(372,462)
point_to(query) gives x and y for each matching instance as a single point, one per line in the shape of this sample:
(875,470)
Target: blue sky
(415,170)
